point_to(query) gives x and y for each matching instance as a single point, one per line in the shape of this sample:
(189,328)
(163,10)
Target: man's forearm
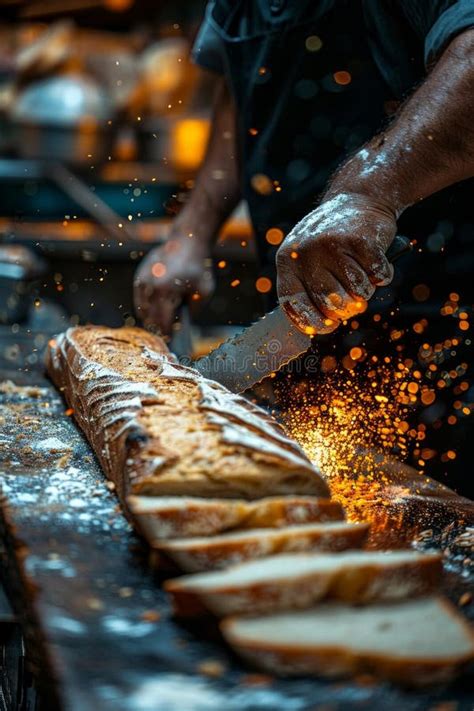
(429,146)
(217,188)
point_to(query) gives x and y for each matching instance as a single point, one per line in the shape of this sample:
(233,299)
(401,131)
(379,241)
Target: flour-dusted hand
(330,263)
(168,274)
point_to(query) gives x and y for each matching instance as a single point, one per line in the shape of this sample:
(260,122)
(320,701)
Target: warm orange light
(294,255)
(261,184)
(343,78)
(235,283)
(464,325)
(274,236)
(222,264)
(118,5)
(328,363)
(263,285)
(158,270)
(335,300)
(188,142)
(356,353)
(428,397)
(361,305)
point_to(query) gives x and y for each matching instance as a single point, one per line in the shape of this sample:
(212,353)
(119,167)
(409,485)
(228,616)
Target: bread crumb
(150,616)
(211,667)
(94,603)
(365,679)
(257,679)
(445,706)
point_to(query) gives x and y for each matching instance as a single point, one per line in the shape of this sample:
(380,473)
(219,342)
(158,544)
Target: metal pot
(65,118)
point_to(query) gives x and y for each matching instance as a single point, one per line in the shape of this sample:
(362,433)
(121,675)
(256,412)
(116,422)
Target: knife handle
(400,246)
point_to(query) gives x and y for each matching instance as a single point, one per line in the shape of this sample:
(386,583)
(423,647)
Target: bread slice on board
(161,517)
(209,553)
(415,642)
(161,429)
(299,580)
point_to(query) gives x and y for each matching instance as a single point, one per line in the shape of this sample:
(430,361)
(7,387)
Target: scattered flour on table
(51,443)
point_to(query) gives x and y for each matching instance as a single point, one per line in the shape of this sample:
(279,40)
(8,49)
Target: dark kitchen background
(103,124)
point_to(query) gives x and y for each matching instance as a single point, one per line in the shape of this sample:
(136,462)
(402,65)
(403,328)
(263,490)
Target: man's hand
(331,262)
(182,266)
(169,274)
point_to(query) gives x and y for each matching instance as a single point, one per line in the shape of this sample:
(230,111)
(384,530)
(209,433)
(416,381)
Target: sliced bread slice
(198,554)
(298,580)
(415,642)
(182,516)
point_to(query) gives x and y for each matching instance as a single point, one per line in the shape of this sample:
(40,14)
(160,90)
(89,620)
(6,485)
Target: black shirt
(313,80)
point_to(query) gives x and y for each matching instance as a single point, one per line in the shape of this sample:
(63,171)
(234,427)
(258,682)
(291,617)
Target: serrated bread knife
(265,346)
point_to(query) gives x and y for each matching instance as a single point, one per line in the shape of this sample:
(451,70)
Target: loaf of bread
(161,429)
(300,580)
(161,517)
(414,642)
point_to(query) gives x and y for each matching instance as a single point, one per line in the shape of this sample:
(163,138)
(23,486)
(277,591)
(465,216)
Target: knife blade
(250,356)
(265,346)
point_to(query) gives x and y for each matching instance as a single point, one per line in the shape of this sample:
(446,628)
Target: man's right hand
(182,267)
(167,275)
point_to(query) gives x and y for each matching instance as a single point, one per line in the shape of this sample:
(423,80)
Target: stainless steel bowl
(65,118)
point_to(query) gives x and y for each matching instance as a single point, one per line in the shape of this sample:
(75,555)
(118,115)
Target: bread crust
(200,554)
(160,428)
(192,516)
(361,584)
(337,661)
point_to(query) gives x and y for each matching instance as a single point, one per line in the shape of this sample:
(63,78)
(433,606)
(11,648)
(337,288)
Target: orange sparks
(263,285)
(274,236)
(342,78)
(158,270)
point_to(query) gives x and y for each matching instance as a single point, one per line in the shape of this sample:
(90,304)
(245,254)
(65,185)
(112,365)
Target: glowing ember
(341,416)
(363,412)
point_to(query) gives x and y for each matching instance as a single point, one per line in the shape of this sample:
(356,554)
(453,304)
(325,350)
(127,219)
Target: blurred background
(103,124)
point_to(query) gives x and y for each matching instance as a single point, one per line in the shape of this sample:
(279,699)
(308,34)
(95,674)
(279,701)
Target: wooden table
(98,628)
